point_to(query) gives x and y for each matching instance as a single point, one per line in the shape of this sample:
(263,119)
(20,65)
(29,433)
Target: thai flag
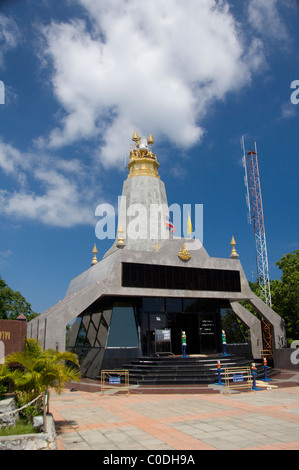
(169,224)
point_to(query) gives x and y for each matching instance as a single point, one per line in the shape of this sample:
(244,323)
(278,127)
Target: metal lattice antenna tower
(254,200)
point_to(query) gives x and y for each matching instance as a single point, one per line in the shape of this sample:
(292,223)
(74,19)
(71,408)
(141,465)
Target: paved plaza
(267,419)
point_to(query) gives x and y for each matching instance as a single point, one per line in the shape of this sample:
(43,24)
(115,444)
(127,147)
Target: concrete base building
(151,286)
(12,336)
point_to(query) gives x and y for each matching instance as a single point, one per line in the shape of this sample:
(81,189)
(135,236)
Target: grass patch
(21,427)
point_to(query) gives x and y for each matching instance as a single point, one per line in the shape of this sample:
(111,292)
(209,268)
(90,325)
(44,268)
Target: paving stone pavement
(264,420)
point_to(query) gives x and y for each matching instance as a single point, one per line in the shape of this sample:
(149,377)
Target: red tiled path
(267,419)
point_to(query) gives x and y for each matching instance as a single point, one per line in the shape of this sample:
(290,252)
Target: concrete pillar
(254,325)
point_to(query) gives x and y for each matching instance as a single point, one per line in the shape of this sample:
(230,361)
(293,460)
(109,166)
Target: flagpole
(189,225)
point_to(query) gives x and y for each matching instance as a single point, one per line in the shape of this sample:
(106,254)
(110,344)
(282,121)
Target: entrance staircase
(191,370)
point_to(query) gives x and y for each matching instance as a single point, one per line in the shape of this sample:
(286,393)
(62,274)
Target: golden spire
(135,137)
(94,259)
(150,140)
(143,162)
(234,253)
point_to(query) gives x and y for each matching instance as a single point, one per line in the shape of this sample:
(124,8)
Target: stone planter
(39,441)
(6,406)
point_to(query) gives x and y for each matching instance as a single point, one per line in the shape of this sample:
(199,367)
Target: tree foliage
(13,304)
(35,371)
(285,293)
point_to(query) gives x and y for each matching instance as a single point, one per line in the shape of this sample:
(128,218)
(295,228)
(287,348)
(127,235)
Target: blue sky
(81,75)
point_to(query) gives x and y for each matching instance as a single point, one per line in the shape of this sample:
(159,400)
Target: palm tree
(35,371)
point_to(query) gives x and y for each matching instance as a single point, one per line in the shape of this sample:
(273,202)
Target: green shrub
(21,427)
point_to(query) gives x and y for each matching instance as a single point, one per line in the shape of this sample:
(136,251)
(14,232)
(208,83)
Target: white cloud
(9,157)
(4,258)
(288,110)
(155,66)
(61,196)
(265,18)
(9,35)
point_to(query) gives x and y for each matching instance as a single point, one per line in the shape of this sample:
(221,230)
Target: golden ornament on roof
(234,253)
(184,253)
(150,140)
(143,162)
(94,259)
(135,137)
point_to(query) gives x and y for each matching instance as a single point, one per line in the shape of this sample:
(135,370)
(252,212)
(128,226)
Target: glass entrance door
(207,333)
(187,322)
(156,321)
(199,318)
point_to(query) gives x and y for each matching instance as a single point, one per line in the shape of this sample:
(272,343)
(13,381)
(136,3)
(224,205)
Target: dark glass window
(82,340)
(200,305)
(153,304)
(191,305)
(235,331)
(175,277)
(173,305)
(89,330)
(123,331)
(158,320)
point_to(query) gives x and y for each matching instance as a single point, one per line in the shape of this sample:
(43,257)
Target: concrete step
(189,370)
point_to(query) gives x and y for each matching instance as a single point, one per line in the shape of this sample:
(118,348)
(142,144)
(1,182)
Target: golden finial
(143,162)
(120,240)
(184,253)
(150,140)
(234,253)
(135,137)
(94,259)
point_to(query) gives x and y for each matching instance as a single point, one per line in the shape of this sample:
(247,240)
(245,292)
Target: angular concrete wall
(254,325)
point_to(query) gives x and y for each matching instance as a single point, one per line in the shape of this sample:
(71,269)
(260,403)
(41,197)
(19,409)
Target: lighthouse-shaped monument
(143,209)
(150,281)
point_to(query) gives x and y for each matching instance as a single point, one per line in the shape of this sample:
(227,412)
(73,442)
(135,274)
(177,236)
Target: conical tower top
(150,140)
(234,253)
(135,137)
(94,259)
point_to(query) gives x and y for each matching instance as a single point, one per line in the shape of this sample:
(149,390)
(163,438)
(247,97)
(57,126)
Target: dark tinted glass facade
(199,318)
(115,330)
(181,278)
(105,335)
